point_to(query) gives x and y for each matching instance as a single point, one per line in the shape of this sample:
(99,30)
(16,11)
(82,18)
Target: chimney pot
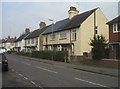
(42,24)
(73,8)
(72,12)
(27,30)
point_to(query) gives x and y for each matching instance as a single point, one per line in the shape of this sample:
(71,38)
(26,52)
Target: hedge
(24,54)
(51,55)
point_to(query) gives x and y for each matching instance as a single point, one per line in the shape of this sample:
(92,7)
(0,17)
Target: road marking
(26,63)
(25,78)
(40,87)
(32,82)
(20,74)
(90,82)
(47,70)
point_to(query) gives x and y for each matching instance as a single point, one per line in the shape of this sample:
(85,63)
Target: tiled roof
(117,19)
(8,40)
(22,37)
(77,20)
(56,26)
(67,24)
(11,40)
(36,33)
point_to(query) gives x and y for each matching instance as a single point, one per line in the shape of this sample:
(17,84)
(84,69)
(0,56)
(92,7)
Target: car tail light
(6,61)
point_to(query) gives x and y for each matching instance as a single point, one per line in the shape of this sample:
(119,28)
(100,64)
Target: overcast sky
(16,16)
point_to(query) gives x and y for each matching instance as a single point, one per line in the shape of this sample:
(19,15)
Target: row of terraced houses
(72,34)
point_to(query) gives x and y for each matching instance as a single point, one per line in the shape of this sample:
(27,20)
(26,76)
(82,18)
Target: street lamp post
(52,34)
(52,30)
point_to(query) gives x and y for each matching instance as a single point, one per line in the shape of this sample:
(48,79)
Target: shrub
(51,55)
(99,49)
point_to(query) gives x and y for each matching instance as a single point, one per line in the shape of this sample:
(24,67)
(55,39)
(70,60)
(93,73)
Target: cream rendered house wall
(41,42)
(77,43)
(57,39)
(103,28)
(84,33)
(87,31)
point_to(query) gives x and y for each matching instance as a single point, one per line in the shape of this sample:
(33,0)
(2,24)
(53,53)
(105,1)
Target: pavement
(99,70)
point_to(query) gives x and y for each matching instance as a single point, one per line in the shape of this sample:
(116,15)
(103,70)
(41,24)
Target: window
(49,47)
(52,36)
(36,41)
(119,27)
(32,41)
(28,41)
(63,35)
(73,34)
(12,44)
(59,47)
(116,27)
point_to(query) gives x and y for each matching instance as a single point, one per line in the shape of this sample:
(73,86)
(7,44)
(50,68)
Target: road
(27,73)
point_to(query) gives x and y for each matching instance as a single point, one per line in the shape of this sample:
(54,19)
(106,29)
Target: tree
(99,47)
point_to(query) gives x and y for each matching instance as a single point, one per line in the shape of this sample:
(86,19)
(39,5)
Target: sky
(16,16)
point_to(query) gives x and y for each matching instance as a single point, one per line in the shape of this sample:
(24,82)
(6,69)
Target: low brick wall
(76,59)
(107,63)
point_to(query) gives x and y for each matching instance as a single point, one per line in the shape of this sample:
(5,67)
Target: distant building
(114,38)
(8,43)
(73,34)
(34,41)
(20,42)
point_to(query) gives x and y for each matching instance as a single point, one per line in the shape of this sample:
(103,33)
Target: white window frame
(116,28)
(74,35)
(52,36)
(32,41)
(63,35)
(36,41)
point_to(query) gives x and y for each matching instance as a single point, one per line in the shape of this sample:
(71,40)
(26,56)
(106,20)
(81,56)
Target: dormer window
(116,27)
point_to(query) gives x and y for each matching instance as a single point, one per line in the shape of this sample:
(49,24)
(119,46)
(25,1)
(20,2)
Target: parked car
(4,62)
(3,50)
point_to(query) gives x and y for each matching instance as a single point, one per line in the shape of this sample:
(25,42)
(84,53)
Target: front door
(116,51)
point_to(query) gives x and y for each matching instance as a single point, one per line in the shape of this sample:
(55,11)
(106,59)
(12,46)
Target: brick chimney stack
(27,30)
(42,24)
(72,12)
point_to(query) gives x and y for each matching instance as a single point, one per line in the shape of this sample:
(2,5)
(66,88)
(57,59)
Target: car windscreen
(2,57)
